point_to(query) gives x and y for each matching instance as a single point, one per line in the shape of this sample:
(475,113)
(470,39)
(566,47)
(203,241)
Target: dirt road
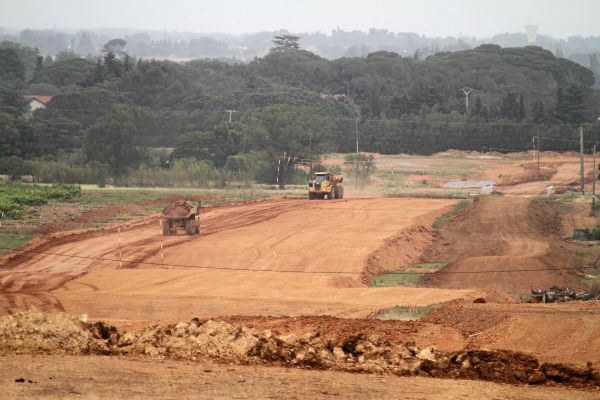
(521,179)
(505,243)
(315,242)
(68,377)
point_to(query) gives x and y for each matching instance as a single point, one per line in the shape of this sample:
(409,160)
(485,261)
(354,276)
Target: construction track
(271,258)
(274,259)
(510,244)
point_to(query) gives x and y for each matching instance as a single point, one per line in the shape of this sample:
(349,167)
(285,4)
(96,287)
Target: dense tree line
(114,114)
(336,44)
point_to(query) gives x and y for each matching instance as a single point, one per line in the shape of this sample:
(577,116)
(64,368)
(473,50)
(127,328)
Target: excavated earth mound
(32,332)
(178,209)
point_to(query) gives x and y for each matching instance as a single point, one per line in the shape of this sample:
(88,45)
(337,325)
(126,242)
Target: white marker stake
(120,253)
(161,252)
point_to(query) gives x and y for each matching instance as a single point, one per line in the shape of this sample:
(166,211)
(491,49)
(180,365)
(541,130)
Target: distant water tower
(531,33)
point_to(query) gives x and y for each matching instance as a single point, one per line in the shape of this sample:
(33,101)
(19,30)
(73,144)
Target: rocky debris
(23,380)
(557,294)
(35,333)
(192,340)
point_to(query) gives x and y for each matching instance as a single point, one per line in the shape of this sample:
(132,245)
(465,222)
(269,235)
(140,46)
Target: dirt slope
(562,173)
(489,245)
(568,332)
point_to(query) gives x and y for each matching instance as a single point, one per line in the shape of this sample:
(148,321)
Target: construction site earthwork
(457,275)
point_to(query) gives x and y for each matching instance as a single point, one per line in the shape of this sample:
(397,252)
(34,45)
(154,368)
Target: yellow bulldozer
(326,185)
(181,214)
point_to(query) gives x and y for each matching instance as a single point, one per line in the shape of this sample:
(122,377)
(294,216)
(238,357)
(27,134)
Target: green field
(411,276)
(402,313)
(13,240)
(443,219)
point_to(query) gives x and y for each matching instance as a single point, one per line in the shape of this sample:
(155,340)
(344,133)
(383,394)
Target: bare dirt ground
(551,332)
(316,242)
(294,267)
(520,178)
(125,378)
(504,243)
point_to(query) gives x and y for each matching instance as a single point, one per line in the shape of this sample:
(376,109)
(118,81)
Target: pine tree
(522,112)
(539,113)
(39,63)
(112,64)
(510,107)
(478,109)
(570,105)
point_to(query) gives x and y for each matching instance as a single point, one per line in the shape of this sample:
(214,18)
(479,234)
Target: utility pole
(279,173)
(230,112)
(594,182)
(467,91)
(356,132)
(310,158)
(581,157)
(538,151)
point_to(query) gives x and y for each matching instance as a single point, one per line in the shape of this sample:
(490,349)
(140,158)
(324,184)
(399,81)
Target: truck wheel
(311,196)
(340,192)
(166,227)
(331,195)
(189,227)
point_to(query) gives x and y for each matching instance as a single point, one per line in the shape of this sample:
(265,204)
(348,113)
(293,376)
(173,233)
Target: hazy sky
(559,18)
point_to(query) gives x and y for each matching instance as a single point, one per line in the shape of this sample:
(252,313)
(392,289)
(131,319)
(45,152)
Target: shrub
(14,197)
(185,172)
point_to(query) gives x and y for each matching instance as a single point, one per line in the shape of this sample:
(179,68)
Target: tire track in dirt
(29,278)
(503,234)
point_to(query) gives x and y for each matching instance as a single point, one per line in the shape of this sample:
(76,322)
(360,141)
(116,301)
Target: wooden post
(310,156)
(480,161)
(594,182)
(161,252)
(581,157)
(120,252)
(538,151)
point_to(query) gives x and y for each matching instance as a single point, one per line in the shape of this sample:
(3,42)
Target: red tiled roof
(41,99)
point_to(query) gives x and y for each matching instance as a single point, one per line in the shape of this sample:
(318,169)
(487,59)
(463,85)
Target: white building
(36,102)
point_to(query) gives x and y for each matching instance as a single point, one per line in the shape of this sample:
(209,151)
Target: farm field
(397,259)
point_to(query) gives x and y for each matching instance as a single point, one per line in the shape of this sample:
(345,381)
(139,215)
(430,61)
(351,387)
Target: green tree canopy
(286,43)
(9,136)
(111,141)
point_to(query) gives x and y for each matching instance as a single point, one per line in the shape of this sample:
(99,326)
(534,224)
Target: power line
(185,265)
(241,269)
(568,140)
(506,150)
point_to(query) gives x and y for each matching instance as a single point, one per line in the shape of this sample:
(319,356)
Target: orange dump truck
(181,214)
(326,185)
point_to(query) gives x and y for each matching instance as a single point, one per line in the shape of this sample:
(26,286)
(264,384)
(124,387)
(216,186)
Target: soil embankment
(505,243)
(36,333)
